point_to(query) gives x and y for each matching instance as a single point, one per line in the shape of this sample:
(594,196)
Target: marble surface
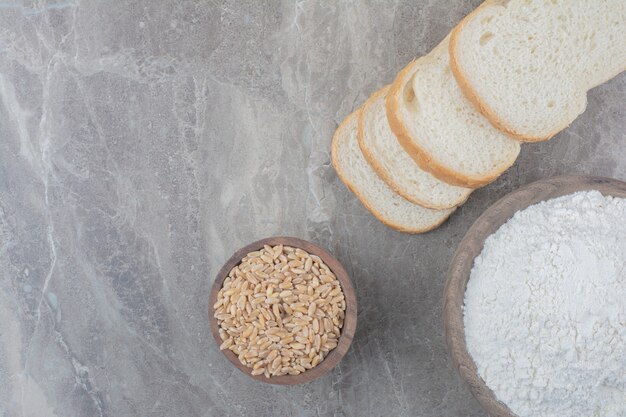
(142,142)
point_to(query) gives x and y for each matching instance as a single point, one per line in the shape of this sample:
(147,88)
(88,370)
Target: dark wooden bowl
(471,246)
(349,324)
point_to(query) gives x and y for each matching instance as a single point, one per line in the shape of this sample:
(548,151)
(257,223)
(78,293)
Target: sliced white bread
(390,208)
(440,129)
(385,154)
(527,65)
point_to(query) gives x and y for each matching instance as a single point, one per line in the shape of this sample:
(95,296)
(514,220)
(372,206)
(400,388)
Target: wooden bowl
(349,324)
(471,246)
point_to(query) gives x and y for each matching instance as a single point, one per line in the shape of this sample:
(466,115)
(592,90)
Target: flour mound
(545,308)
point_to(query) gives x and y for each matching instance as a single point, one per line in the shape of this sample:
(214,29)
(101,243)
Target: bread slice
(527,64)
(440,129)
(389,207)
(383,152)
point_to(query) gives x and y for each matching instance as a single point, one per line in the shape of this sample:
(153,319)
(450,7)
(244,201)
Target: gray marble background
(142,142)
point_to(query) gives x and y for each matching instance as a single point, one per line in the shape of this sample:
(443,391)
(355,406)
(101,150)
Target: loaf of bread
(512,71)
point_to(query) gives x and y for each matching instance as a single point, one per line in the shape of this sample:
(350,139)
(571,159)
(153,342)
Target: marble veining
(142,142)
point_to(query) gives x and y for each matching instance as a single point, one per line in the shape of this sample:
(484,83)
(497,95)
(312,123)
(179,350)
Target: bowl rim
(472,244)
(350,320)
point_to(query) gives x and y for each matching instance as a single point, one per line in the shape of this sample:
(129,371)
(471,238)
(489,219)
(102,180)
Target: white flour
(545,309)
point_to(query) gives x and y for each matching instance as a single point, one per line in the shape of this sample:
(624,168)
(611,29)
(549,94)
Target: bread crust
(418,153)
(362,199)
(382,172)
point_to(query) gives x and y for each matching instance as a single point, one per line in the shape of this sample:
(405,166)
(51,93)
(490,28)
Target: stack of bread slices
(453,120)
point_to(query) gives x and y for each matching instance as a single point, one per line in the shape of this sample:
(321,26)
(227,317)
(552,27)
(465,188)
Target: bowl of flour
(535,301)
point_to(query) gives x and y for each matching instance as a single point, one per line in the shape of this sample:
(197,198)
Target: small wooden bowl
(349,323)
(472,245)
